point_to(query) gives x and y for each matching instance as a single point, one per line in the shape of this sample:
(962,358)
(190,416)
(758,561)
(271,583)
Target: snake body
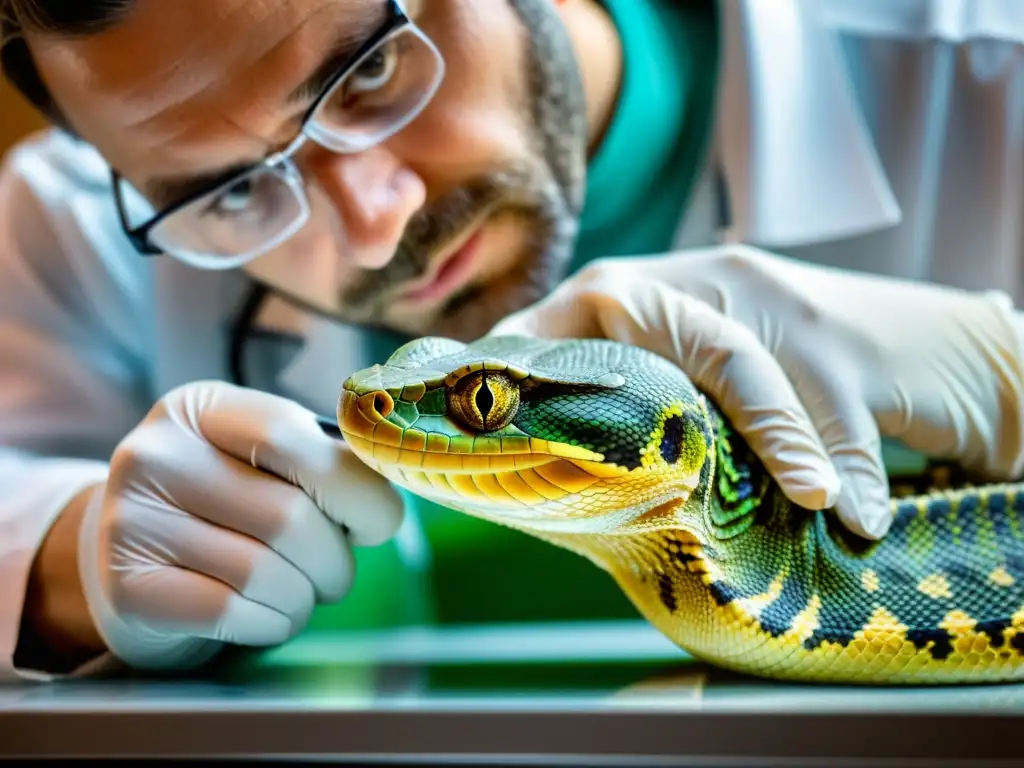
(611,452)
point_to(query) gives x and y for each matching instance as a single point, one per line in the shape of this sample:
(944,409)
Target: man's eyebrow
(359,26)
(166,191)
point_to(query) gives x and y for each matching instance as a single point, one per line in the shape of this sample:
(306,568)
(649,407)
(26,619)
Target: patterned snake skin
(612,453)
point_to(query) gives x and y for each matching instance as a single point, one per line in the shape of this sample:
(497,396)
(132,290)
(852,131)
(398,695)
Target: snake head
(574,435)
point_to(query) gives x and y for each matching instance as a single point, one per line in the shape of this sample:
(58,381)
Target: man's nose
(374,195)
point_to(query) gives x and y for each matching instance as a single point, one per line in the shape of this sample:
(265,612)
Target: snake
(612,452)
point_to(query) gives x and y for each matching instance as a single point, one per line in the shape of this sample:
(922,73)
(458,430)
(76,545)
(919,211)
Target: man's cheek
(505,246)
(308,267)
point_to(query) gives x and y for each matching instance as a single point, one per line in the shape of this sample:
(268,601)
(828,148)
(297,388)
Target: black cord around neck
(240,329)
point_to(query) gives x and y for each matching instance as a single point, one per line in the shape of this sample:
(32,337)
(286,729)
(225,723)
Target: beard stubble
(545,192)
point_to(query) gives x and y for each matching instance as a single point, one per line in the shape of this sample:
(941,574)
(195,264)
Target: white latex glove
(813,365)
(226,516)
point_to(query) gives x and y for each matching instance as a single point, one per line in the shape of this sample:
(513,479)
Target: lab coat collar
(797,158)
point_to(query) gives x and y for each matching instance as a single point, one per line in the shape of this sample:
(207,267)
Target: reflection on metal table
(585,694)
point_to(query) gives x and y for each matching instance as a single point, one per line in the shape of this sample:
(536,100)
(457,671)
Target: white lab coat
(883,135)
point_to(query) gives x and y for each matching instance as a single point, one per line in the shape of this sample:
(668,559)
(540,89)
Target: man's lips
(448,273)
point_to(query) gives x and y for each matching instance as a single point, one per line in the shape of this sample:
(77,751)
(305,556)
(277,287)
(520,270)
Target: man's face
(467,214)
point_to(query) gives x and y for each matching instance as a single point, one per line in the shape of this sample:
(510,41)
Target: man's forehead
(179,78)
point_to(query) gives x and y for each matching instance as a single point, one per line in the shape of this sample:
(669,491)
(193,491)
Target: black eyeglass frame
(139,236)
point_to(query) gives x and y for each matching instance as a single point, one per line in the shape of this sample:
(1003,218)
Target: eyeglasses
(374,95)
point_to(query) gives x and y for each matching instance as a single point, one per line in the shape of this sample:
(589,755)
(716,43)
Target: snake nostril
(383,404)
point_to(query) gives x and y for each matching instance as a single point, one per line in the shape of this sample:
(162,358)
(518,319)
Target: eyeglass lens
(376,98)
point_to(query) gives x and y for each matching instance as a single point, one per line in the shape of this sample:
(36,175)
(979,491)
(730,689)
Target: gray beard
(547,192)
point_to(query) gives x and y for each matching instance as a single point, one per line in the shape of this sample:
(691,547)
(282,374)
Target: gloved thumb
(721,356)
(280,436)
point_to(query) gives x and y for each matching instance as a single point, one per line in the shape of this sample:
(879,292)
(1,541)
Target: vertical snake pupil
(484,400)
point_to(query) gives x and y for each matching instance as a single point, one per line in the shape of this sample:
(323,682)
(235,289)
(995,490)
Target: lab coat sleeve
(72,379)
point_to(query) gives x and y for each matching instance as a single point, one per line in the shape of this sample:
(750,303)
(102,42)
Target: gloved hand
(226,516)
(814,365)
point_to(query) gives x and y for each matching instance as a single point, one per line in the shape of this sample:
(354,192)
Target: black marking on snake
(684,557)
(666,590)
(994,629)
(834,629)
(723,593)
(1017,641)
(942,643)
(672,439)
(840,635)
(778,616)
(675,551)
(622,456)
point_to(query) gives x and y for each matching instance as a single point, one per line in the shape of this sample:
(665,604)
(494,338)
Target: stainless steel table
(590,694)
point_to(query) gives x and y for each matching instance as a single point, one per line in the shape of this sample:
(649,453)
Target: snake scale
(611,452)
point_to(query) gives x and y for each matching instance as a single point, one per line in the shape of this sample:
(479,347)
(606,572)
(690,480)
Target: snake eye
(484,400)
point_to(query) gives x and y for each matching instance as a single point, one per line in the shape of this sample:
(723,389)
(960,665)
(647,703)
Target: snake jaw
(511,479)
(521,482)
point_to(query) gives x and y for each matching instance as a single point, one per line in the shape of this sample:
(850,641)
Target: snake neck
(742,554)
(799,577)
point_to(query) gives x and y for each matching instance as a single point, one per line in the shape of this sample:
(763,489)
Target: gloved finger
(175,600)
(851,436)
(282,437)
(374,508)
(176,538)
(726,360)
(234,495)
(722,357)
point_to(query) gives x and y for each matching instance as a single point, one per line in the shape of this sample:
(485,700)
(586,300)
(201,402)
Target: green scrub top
(464,570)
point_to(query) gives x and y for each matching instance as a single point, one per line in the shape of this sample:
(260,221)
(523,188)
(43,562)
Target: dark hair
(70,18)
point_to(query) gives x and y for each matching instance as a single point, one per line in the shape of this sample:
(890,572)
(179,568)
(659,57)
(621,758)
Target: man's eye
(375,71)
(236,199)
